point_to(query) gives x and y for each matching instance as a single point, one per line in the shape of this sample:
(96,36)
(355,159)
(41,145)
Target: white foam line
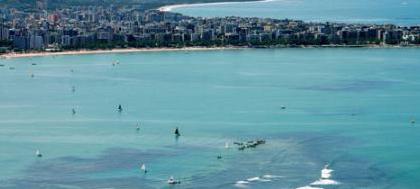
(172,7)
(308,187)
(325,182)
(271,176)
(257,179)
(265,178)
(241,184)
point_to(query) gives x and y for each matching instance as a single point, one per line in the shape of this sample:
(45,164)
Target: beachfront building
(111,27)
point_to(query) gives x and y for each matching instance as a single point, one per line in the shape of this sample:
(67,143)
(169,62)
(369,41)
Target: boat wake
(309,187)
(321,182)
(264,178)
(241,184)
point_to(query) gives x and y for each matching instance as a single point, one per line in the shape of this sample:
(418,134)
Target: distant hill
(141,4)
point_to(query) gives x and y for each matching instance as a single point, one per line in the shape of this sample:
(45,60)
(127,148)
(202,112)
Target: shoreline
(168,8)
(106,51)
(13,55)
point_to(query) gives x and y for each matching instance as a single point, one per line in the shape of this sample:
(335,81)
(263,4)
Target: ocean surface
(401,12)
(349,108)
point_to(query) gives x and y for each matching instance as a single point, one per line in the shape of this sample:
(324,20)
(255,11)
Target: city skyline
(97,27)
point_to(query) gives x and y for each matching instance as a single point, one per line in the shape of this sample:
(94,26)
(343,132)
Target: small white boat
(38,154)
(325,179)
(326,173)
(172,180)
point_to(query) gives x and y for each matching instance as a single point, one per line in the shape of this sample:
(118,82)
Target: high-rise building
(21,42)
(36,42)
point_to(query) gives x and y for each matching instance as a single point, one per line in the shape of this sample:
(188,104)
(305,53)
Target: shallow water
(401,12)
(350,108)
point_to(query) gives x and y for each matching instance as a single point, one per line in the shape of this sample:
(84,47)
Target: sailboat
(177,133)
(226,145)
(38,154)
(120,109)
(138,127)
(143,168)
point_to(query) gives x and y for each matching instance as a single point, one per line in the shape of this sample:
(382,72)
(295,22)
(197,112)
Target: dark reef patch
(351,86)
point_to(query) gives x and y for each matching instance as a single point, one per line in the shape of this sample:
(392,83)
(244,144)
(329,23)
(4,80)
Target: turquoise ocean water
(350,108)
(401,12)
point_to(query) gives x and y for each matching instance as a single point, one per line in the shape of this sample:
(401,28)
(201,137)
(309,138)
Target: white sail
(38,153)
(227,145)
(143,167)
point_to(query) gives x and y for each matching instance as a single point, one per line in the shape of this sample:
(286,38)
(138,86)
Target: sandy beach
(129,50)
(172,7)
(133,50)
